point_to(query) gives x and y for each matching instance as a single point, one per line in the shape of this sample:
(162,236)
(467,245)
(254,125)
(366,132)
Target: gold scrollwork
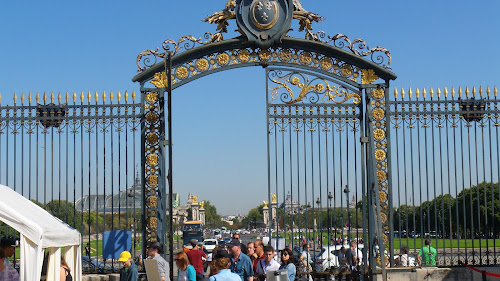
(223,59)
(346,70)
(379,134)
(378,93)
(159,80)
(326,63)
(152,181)
(202,64)
(152,202)
(378,113)
(152,159)
(182,72)
(368,76)
(382,196)
(385,239)
(285,55)
(152,97)
(306,58)
(319,86)
(152,138)
(264,54)
(380,155)
(383,217)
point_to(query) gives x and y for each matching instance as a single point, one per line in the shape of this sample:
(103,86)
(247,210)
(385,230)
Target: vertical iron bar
(170,181)
(268,152)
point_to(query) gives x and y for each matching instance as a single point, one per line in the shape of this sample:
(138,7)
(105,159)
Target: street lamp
(346,191)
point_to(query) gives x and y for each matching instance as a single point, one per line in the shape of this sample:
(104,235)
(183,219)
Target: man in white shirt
(267,264)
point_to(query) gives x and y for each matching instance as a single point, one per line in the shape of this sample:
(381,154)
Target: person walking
(7,273)
(129,270)
(288,263)
(221,263)
(186,270)
(268,264)
(196,256)
(427,255)
(154,250)
(305,263)
(88,249)
(240,263)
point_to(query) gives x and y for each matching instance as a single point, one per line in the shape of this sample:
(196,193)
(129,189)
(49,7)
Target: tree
(65,211)
(254,217)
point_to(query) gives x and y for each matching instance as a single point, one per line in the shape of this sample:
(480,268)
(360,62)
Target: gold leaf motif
(326,63)
(385,239)
(285,55)
(378,113)
(152,181)
(306,58)
(381,175)
(202,64)
(379,155)
(243,55)
(295,80)
(159,80)
(152,138)
(379,93)
(383,216)
(320,87)
(264,54)
(382,197)
(153,223)
(152,202)
(368,76)
(223,59)
(152,117)
(152,97)
(379,134)
(346,70)
(181,72)
(152,159)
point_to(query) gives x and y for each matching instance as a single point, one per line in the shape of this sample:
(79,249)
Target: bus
(192,230)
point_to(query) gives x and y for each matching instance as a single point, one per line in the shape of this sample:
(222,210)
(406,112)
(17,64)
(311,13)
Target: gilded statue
(265,203)
(202,205)
(195,199)
(274,200)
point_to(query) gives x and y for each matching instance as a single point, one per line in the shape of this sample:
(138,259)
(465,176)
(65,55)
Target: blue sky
(219,121)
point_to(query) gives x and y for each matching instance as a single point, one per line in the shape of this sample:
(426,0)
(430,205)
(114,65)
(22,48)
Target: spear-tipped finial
(488,91)
(452,92)
(89,96)
(52,97)
(59,97)
(445,92)
(96,96)
(126,96)
(459,91)
(74,97)
(439,92)
(402,93)
(431,92)
(417,93)
(44,98)
(66,97)
(410,93)
(29,97)
(481,91)
(467,92)
(473,91)
(37,97)
(15,98)
(395,93)
(119,96)
(103,96)
(111,96)
(424,93)
(495,91)
(82,97)
(22,97)
(133,95)
(0,97)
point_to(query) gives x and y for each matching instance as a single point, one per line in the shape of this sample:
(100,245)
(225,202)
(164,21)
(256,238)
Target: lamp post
(330,197)
(346,191)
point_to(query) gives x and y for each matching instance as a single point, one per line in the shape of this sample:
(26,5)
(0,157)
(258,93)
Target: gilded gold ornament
(152,159)
(223,59)
(319,87)
(378,113)
(152,117)
(152,138)
(378,93)
(368,76)
(379,155)
(152,181)
(181,72)
(306,58)
(381,175)
(382,196)
(152,97)
(326,63)
(379,134)
(202,64)
(152,202)
(346,70)
(285,55)
(243,55)
(383,217)
(295,80)
(385,239)
(264,54)
(153,223)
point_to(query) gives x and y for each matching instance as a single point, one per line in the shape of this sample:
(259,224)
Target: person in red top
(258,255)
(195,256)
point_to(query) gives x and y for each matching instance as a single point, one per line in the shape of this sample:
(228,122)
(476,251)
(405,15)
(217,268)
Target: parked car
(210,244)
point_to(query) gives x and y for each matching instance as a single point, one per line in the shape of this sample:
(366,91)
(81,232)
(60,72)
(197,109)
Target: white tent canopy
(40,230)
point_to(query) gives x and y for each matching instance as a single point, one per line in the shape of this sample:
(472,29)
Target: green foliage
(65,211)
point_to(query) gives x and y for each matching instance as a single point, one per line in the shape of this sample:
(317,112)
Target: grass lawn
(416,243)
